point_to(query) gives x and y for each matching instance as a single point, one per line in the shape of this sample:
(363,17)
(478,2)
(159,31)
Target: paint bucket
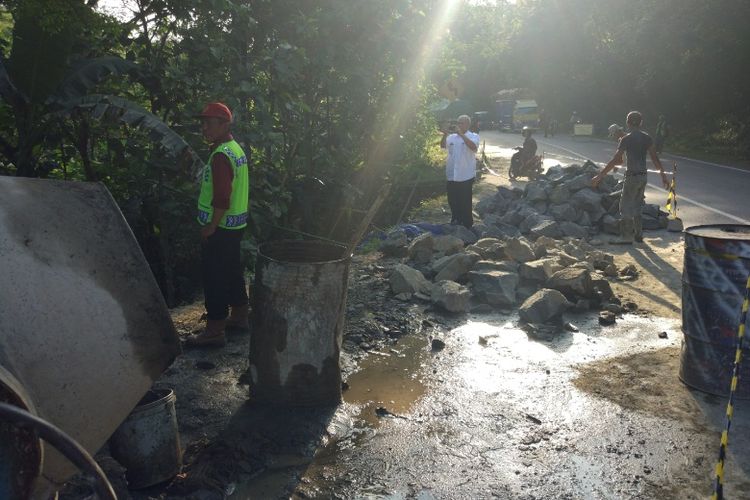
(299,299)
(147,443)
(714,278)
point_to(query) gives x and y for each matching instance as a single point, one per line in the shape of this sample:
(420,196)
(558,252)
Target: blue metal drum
(716,268)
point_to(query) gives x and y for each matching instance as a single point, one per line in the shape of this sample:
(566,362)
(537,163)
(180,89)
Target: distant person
(552,127)
(460,169)
(573,120)
(222,215)
(543,121)
(616,132)
(661,134)
(635,145)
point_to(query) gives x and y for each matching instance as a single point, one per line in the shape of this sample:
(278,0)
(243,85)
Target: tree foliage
(331,96)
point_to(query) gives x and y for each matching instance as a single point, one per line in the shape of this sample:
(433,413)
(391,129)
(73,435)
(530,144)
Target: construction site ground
(486,412)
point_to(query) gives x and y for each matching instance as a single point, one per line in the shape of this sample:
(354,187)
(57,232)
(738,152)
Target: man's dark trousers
(459,200)
(223,279)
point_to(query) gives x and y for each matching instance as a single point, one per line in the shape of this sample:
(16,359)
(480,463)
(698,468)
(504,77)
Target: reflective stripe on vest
(236,215)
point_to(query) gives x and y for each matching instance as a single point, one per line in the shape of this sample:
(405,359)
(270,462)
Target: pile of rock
(533,248)
(560,203)
(546,277)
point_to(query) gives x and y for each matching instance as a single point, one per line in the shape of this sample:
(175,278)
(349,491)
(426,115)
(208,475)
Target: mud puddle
(597,413)
(389,383)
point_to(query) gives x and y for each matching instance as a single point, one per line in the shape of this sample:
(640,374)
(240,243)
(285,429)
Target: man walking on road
(222,214)
(661,133)
(635,145)
(460,170)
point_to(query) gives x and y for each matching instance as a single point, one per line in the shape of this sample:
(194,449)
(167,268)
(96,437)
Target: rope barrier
(718,493)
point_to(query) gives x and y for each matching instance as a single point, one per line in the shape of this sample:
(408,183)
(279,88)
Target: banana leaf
(88,73)
(111,109)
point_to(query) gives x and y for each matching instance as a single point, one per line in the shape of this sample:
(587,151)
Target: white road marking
(709,163)
(703,206)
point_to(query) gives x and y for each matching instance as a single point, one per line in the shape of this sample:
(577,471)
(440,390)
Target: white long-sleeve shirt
(462,163)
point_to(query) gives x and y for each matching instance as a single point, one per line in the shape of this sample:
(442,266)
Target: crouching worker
(635,145)
(222,215)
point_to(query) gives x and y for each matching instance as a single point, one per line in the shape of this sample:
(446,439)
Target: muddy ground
(464,406)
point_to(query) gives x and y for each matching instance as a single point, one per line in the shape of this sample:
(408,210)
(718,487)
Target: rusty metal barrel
(716,268)
(299,301)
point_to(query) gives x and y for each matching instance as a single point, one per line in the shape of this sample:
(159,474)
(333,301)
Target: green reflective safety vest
(236,216)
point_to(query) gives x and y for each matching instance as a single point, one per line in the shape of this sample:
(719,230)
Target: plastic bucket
(147,443)
(716,268)
(299,299)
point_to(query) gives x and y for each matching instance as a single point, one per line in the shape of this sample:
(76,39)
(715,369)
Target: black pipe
(62,443)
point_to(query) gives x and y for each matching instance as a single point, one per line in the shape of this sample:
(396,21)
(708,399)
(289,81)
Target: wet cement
(595,414)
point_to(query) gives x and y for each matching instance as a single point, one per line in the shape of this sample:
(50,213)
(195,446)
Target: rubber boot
(638,229)
(212,336)
(238,321)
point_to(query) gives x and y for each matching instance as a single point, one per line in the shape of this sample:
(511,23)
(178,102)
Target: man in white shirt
(460,169)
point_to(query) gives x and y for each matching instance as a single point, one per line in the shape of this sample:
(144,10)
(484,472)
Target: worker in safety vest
(222,214)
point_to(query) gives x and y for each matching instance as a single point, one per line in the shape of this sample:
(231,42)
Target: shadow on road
(651,263)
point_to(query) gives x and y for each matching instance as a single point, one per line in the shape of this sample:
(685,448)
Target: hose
(62,443)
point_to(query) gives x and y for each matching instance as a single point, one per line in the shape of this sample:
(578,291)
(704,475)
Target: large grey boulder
(507,230)
(519,249)
(420,249)
(518,215)
(489,248)
(497,288)
(602,290)
(600,260)
(539,271)
(534,192)
(532,220)
(610,224)
(649,222)
(577,183)
(544,306)
(484,231)
(454,266)
(451,296)
(447,244)
(549,228)
(587,199)
(573,282)
(466,235)
(563,212)
(573,230)
(544,244)
(394,244)
(405,279)
(507,266)
(585,220)
(559,194)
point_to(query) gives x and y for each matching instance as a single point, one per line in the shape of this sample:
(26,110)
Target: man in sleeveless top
(635,145)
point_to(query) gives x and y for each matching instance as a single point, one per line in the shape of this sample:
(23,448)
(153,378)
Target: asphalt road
(707,193)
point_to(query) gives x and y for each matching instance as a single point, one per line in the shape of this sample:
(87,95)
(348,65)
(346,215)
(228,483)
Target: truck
(516,108)
(514,114)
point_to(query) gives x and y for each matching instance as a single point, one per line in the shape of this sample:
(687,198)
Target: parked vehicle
(516,108)
(479,121)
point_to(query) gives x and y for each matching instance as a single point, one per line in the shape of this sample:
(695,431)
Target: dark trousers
(223,277)
(459,199)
